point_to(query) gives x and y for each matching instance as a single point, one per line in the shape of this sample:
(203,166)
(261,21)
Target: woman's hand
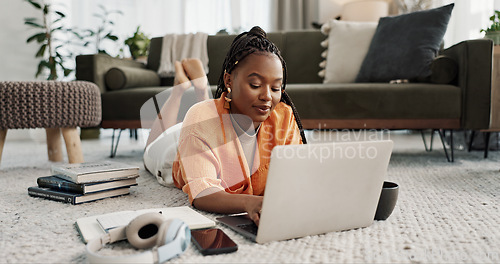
(253,208)
(217,201)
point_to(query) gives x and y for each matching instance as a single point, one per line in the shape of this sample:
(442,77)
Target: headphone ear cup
(142,232)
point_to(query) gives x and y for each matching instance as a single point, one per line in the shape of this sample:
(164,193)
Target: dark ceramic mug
(387,200)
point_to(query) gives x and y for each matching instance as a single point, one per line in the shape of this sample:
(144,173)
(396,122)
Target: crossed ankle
(200,83)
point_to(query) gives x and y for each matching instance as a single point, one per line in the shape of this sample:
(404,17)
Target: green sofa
(463,103)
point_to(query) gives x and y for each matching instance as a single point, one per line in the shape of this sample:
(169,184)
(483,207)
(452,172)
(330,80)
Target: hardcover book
(95,171)
(56,183)
(74,198)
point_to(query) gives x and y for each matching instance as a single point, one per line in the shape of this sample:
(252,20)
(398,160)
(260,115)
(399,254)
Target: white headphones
(169,238)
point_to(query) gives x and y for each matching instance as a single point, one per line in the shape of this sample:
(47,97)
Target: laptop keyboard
(251,228)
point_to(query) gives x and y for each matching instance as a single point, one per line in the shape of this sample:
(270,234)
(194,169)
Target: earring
(227,100)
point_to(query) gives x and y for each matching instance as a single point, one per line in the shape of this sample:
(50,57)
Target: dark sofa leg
(486,143)
(442,134)
(133,133)
(114,145)
(428,149)
(471,140)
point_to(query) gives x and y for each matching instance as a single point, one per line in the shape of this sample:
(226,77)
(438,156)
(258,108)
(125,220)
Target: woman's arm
(217,201)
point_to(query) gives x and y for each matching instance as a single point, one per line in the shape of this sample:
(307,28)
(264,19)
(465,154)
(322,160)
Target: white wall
(329,9)
(18,57)
(467,18)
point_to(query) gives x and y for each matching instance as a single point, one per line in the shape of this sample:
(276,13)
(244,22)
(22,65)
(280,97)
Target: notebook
(93,227)
(318,188)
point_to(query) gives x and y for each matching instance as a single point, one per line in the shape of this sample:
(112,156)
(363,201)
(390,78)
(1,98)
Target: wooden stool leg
(3,134)
(73,144)
(54,146)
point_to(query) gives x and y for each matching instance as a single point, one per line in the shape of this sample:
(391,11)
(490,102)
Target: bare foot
(193,68)
(195,72)
(181,80)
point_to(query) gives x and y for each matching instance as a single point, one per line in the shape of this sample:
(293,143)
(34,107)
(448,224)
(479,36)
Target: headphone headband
(173,237)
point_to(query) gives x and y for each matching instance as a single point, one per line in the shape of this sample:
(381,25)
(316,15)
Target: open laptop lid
(318,188)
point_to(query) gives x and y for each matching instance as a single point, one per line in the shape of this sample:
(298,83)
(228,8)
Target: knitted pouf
(56,106)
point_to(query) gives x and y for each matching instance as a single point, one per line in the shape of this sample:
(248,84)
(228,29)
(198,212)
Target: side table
(495,103)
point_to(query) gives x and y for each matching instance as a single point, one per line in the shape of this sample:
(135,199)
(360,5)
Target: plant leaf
(41,51)
(61,14)
(67,72)
(31,23)
(35,4)
(46,63)
(56,29)
(40,37)
(40,68)
(111,37)
(77,35)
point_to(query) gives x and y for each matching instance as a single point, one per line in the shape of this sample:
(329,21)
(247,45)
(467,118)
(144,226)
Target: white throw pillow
(347,43)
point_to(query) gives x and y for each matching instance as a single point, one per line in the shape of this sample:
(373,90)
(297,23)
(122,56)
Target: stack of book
(85,182)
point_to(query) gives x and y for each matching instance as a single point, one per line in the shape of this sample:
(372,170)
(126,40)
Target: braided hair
(255,41)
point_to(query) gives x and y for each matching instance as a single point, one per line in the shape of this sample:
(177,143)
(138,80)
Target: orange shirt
(210,154)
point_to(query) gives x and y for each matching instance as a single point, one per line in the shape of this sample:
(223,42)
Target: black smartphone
(212,241)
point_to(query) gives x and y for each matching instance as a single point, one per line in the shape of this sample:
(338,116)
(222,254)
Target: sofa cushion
(376,101)
(444,70)
(217,47)
(348,43)
(129,77)
(113,107)
(125,104)
(403,46)
(302,53)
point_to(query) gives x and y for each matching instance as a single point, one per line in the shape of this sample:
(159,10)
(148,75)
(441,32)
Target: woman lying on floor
(224,144)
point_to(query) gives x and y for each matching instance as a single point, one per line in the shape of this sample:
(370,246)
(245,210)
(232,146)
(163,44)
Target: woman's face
(255,86)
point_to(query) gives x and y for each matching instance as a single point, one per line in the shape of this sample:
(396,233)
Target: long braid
(255,41)
(286,99)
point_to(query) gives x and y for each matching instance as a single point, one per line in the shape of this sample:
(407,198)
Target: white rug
(446,212)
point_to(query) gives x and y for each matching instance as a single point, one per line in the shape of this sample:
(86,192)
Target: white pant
(160,154)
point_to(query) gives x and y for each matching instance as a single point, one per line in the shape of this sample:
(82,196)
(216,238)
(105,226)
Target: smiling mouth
(263,109)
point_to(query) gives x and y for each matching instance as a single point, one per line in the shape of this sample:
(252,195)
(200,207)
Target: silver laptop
(318,188)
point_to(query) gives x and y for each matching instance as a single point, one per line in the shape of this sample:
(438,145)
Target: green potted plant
(53,52)
(138,44)
(493,32)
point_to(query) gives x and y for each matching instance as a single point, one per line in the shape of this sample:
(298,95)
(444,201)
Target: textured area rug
(446,212)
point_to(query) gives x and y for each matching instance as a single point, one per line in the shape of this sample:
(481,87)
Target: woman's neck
(245,123)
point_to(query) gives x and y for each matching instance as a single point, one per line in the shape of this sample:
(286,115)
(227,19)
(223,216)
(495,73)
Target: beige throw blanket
(182,46)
